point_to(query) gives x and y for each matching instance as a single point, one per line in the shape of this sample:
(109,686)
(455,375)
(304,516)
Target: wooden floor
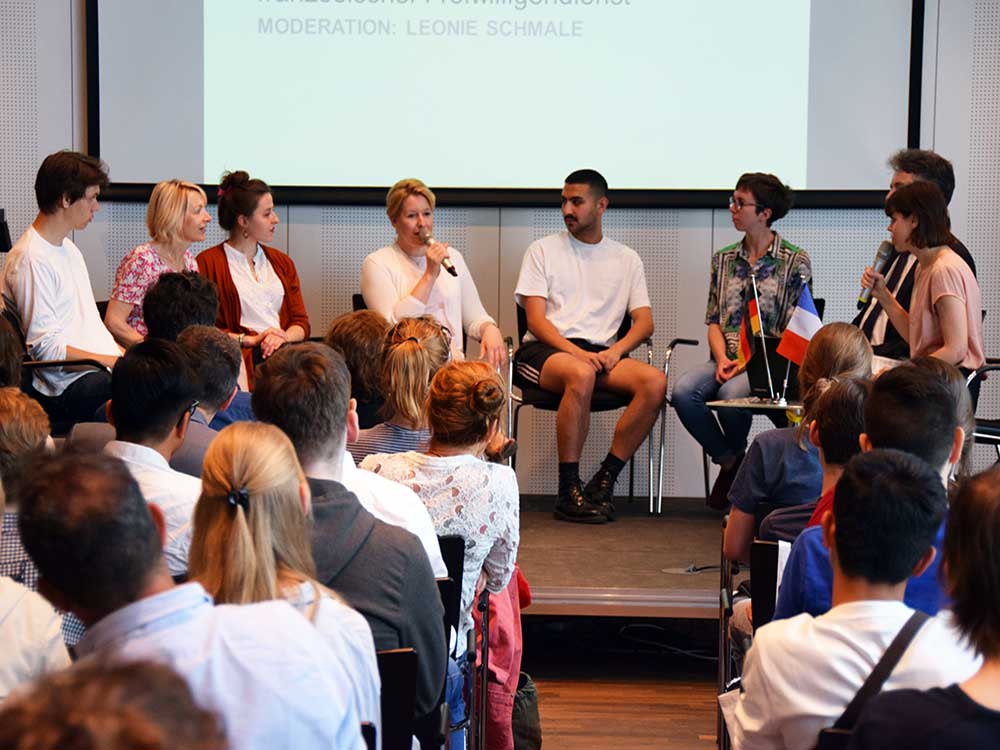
(598,689)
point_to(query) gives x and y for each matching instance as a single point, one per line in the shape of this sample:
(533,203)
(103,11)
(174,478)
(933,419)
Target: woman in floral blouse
(176,218)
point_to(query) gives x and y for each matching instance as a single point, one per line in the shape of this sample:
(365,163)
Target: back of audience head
(952,377)
(11,354)
(769,192)
(838,350)
(464,403)
(168,205)
(251,532)
(110,706)
(415,349)
(67,174)
(913,409)
(216,357)
(153,387)
(887,508)
(839,418)
(972,561)
(239,195)
(179,300)
(84,523)
(305,390)
(359,337)
(24,429)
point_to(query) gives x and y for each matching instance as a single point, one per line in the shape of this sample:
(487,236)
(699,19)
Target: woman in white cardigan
(405,279)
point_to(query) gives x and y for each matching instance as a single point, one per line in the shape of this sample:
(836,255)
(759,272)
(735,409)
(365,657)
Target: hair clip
(414,339)
(240,497)
(221,192)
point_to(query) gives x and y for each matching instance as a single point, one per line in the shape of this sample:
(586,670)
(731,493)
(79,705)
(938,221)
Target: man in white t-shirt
(802,672)
(576,287)
(46,286)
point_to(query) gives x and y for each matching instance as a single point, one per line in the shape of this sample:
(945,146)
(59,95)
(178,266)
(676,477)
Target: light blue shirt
(262,667)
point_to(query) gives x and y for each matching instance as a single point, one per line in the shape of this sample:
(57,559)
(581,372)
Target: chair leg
(659,480)
(704,464)
(649,468)
(513,434)
(631,478)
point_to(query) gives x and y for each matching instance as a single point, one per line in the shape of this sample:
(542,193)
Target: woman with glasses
(405,279)
(780,269)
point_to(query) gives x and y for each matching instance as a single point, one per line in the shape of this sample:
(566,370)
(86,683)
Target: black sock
(612,465)
(569,474)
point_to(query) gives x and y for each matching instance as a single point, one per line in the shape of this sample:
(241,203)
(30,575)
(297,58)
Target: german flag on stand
(747,344)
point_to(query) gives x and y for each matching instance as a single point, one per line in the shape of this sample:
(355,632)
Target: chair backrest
(522,325)
(453,554)
(820,306)
(764,575)
(358,302)
(369,735)
(397,669)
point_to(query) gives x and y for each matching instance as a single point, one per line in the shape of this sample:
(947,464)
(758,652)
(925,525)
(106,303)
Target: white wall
(40,80)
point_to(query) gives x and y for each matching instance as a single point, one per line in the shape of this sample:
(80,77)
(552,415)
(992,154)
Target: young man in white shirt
(46,285)
(576,287)
(154,393)
(801,673)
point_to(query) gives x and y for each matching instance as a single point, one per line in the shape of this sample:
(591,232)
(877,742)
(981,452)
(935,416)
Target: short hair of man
(216,358)
(888,506)
(768,192)
(11,355)
(24,427)
(67,174)
(926,165)
(359,336)
(84,523)
(925,202)
(953,378)
(912,409)
(593,179)
(152,385)
(110,705)
(972,561)
(304,390)
(179,300)
(839,414)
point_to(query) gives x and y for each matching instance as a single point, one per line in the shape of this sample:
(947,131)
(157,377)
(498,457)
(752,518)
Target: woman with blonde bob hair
(251,544)
(404,279)
(176,218)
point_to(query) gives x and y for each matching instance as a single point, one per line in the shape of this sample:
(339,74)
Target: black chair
(369,735)
(987,430)
(764,575)
(547,401)
(453,553)
(397,669)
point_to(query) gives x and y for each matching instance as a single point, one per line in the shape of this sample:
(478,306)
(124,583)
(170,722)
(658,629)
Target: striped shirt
(388,438)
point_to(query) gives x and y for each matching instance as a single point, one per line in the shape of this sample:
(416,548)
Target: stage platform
(637,566)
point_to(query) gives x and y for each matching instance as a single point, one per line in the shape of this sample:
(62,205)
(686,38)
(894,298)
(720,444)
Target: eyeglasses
(739,203)
(194,406)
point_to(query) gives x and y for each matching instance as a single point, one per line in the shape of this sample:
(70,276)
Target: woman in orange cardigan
(260,302)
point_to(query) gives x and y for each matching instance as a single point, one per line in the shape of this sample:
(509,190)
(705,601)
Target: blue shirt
(262,667)
(240,410)
(807,584)
(777,470)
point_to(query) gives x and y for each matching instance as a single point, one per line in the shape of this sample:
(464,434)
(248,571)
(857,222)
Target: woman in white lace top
(465,495)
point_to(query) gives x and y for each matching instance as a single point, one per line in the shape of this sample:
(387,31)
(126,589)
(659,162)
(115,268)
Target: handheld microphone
(881,260)
(428,239)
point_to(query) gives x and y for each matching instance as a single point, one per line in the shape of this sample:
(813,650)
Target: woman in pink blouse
(945,318)
(176,218)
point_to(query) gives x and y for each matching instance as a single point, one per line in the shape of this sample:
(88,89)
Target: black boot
(572,505)
(600,491)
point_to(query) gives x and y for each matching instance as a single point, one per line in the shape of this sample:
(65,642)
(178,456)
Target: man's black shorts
(528,360)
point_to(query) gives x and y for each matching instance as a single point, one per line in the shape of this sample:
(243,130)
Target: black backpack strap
(873,685)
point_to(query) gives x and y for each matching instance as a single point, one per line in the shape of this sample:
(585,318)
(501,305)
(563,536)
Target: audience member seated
(154,392)
(945,316)
(11,356)
(415,349)
(966,714)
(781,269)
(782,465)
(260,299)
(30,631)
(175,217)
(404,279)
(838,421)
(360,337)
(379,569)
(251,544)
(801,673)
(45,284)
(24,429)
(263,667)
(125,706)
(470,497)
(178,301)
(912,409)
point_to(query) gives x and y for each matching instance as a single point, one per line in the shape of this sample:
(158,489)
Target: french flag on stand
(802,327)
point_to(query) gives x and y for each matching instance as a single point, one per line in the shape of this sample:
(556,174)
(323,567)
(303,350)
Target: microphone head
(425,235)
